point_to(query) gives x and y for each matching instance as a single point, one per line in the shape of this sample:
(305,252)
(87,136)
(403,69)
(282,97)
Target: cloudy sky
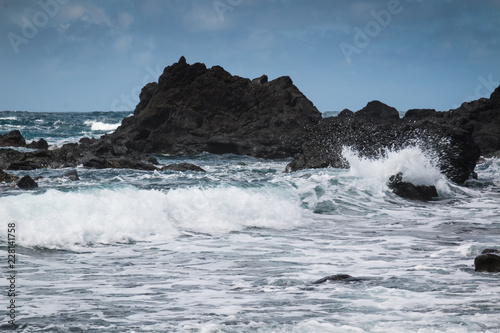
(88,55)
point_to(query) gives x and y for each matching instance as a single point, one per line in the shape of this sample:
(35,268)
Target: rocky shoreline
(194,109)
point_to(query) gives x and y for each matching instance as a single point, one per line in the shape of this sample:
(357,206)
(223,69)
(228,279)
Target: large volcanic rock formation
(193,109)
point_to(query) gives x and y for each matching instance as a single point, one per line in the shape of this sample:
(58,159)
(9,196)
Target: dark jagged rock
(88,152)
(488,261)
(260,80)
(409,191)
(145,96)
(419,114)
(337,277)
(12,139)
(377,111)
(481,117)
(7,177)
(346,113)
(40,144)
(27,183)
(452,147)
(183,167)
(193,109)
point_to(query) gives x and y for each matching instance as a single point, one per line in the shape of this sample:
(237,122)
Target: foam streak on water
(236,249)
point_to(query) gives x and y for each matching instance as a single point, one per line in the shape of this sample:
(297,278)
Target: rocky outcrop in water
(410,191)
(371,136)
(90,153)
(481,118)
(26,183)
(194,109)
(337,277)
(488,261)
(15,139)
(12,139)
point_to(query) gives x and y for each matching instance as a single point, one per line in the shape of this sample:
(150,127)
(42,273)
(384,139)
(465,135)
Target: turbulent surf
(238,248)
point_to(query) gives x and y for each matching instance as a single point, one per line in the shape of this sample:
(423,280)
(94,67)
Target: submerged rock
(182,167)
(27,183)
(488,261)
(337,277)
(409,191)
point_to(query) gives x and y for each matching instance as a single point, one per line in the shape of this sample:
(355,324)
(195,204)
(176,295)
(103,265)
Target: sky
(96,55)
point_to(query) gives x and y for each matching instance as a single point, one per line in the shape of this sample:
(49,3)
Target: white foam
(416,166)
(56,219)
(100,126)
(8,118)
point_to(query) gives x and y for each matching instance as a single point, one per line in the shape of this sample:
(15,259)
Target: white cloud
(123,43)
(88,12)
(204,17)
(260,40)
(145,55)
(124,20)
(51,64)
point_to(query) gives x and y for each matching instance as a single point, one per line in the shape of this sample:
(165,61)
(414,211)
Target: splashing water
(416,166)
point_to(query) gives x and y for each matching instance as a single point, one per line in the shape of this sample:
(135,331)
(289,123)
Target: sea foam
(69,220)
(417,167)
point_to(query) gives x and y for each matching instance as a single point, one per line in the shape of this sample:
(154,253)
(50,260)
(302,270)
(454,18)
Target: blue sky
(95,55)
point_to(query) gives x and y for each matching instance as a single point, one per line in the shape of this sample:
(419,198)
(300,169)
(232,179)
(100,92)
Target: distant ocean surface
(236,249)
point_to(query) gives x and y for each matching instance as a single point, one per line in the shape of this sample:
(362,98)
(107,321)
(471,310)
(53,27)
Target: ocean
(237,249)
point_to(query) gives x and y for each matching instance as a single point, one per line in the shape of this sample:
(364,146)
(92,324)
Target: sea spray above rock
(455,151)
(194,109)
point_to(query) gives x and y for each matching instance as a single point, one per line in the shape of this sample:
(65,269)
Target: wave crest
(69,220)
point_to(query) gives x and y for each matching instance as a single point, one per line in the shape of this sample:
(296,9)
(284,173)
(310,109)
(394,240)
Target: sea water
(236,249)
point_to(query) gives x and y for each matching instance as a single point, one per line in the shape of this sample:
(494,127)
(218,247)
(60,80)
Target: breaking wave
(68,220)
